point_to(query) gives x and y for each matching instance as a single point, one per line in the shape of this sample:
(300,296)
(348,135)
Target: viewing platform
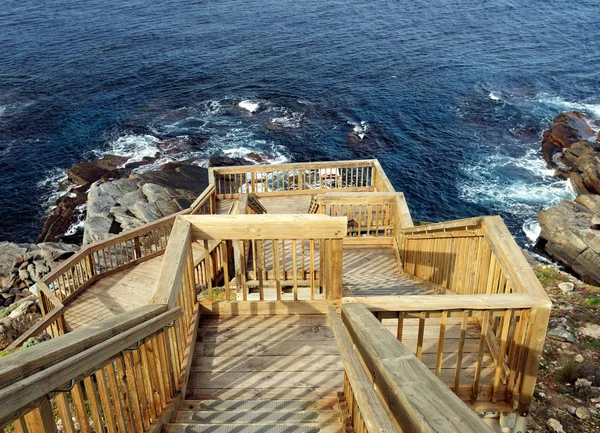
(296,298)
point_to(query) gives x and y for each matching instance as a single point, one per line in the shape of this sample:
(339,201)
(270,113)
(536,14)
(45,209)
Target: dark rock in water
(567,128)
(568,236)
(64,215)
(260,158)
(175,164)
(186,177)
(567,146)
(86,172)
(145,161)
(174,146)
(224,161)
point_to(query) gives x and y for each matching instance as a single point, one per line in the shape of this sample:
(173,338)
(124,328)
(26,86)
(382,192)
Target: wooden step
(335,427)
(328,403)
(255,417)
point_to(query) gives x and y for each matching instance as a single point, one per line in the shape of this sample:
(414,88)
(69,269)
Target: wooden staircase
(262,374)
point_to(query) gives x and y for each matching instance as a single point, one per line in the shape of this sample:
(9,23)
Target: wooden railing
(272,251)
(101,259)
(370,214)
(418,400)
(456,255)
(121,373)
(464,338)
(364,410)
(299,178)
(206,203)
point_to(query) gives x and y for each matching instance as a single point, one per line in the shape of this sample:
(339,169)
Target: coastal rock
(567,235)
(590,330)
(224,161)
(20,318)
(86,172)
(567,128)
(21,265)
(64,215)
(126,204)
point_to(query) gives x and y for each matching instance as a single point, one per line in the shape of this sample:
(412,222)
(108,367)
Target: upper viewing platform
(227,316)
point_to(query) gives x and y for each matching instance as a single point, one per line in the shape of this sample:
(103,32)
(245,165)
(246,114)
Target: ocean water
(451,96)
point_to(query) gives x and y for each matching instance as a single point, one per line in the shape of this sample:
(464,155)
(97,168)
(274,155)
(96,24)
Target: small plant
(593,301)
(549,275)
(568,372)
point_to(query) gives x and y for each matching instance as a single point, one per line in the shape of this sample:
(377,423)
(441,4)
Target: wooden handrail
(371,411)
(207,194)
(173,266)
(449,302)
(419,401)
(26,362)
(511,258)
(267,226)
(293,166)
(468,223)
(25,394)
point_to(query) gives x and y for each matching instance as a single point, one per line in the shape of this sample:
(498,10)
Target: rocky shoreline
(106,197)
(570,231)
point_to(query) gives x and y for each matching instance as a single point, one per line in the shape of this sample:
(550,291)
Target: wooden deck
(117,293)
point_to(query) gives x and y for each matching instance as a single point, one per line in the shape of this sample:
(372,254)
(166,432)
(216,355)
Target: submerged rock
(568,237)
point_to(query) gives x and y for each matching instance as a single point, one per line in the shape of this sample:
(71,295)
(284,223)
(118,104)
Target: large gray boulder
(125,204)
(570,236)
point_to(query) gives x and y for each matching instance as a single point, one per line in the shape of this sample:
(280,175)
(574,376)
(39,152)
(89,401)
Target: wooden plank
(247,364)
(267,226)
(275,348)
(448,302)
(307,379)
(173,267)
(280,333)
(254,308)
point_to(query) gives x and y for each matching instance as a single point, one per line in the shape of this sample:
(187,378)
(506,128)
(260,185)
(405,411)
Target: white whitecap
(80,215)
(133,146)
(493,96)
(563,104)
(288,120)
(251,106)
(50,190)
(532,230)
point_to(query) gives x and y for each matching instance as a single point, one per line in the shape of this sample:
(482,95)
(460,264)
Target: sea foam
(251,106)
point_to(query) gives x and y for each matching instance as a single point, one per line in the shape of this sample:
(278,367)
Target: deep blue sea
(454,94)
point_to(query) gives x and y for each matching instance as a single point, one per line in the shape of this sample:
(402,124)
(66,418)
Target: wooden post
(534,347)
(334,254)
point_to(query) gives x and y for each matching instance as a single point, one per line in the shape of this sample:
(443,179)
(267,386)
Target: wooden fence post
(333,255)
(534,347)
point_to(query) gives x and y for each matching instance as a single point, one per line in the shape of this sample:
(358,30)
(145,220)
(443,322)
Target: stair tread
(333,427)
(259,405)
(254,417)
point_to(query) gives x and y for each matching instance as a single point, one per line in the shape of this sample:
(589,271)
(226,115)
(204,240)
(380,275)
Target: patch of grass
(218,294)
(6,311)
(593,345)
(549,275)
(593,301)
(568,372)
